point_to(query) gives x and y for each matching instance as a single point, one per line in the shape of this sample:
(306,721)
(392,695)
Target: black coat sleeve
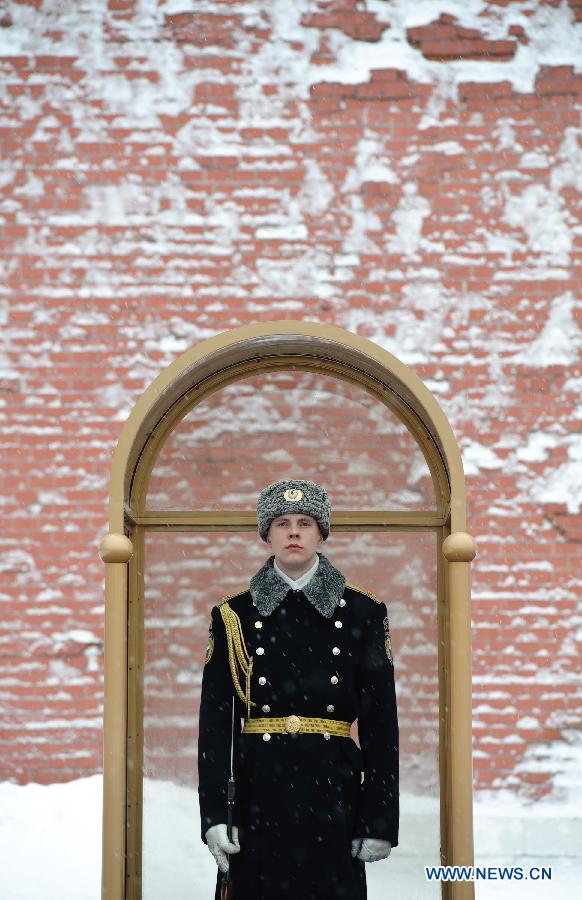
(378,808)
(215,728)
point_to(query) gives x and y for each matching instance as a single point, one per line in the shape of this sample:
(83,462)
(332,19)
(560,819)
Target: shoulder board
(362,590)
(228,597)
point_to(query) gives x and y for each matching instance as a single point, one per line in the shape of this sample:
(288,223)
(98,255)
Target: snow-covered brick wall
(409,171)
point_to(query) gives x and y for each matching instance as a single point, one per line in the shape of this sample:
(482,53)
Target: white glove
(219,844)
(371,849)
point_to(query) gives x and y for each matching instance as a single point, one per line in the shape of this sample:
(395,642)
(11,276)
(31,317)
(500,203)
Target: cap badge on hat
(292,495)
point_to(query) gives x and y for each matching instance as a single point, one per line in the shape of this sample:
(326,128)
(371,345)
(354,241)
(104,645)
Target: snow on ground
(50,846)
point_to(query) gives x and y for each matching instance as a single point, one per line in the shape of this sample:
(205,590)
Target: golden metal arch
(192,377)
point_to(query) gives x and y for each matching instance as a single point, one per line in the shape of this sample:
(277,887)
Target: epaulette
(362,590)
(236,593)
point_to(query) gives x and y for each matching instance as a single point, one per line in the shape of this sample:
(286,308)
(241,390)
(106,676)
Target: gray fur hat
(293,496)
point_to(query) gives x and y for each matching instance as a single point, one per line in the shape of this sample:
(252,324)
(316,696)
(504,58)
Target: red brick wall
(165,175)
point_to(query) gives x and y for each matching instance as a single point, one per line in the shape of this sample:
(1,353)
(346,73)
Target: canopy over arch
(251,348)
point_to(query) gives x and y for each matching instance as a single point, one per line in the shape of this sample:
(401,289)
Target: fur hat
(293,496)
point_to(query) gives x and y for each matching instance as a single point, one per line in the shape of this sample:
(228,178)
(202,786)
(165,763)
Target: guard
(294,659)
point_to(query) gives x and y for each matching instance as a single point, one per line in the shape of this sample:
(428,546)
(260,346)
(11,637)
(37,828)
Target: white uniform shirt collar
(303,580)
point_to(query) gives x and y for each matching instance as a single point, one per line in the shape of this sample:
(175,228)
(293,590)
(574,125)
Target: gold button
(292,724)
(258,624)
(266,736)
(336,651)
(334,679)
(260,651)
(331,708)
(326,735)
(338,624)
(342,602)
(266,708)
(262,680)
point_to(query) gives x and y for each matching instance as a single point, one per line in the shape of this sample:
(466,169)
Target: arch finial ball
(460,547)
(115,548)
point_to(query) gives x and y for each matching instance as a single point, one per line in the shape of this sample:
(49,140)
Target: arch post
(459,550)
(115,551)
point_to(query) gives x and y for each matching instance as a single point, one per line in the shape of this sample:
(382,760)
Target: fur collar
(323,591)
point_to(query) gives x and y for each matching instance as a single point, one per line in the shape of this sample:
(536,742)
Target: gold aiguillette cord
(238,656)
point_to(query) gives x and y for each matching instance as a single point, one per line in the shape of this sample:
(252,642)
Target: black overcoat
(322,652)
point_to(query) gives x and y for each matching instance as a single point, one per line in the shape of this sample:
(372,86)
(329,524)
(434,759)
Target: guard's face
(294,539)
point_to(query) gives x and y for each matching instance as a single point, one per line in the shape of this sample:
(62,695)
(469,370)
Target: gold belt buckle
(292,724)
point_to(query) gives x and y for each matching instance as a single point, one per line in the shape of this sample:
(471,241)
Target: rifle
(226,888)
